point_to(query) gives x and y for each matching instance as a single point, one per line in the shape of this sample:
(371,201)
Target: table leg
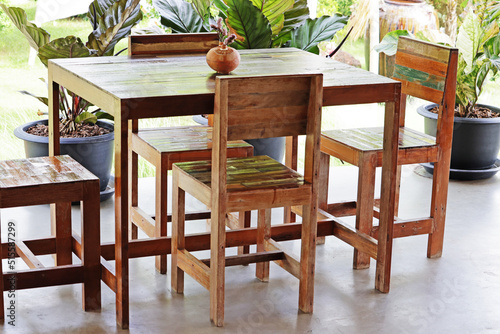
(121,217)
(388,194)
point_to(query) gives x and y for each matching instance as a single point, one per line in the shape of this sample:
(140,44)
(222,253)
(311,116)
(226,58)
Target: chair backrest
(428,71)
(166,44)
(263,107)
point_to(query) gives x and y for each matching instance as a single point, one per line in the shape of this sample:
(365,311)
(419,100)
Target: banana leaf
(313,31)
(67,47)
(250,25)
(274,10)
(180,16)
(112,20)
(36,36)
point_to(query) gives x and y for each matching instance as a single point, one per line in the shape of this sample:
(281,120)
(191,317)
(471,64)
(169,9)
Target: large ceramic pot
(476,143)
(94,153)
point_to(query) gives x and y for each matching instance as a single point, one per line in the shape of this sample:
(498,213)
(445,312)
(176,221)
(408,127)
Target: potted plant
(85,135)
(257,25)
(476,133)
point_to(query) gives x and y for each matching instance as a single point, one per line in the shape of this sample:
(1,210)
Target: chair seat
(42,170)
(372,139)
(183,139)
(259,172)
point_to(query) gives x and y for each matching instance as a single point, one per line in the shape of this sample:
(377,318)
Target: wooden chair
(59,180)
(252,107)
(427,71)
(164,146)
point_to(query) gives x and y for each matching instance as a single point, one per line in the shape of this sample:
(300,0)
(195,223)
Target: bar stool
(248,108)
(164,146)
(60,180)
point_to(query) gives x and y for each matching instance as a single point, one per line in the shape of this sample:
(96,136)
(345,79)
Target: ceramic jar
(223,59)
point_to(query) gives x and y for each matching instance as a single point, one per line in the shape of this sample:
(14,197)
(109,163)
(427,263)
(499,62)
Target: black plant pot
(94,153)
(475,146)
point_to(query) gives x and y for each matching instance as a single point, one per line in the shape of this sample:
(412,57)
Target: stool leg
(307,258)
(217,264)
(91,247)
(178,231)
(62,230)
(161,197)
(364,205)
(263,233)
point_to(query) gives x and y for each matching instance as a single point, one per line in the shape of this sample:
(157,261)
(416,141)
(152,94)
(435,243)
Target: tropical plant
(256,23)
(111,21)
(478,42)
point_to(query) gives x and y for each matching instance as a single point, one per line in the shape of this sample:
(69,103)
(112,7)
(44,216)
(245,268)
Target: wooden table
(138,87)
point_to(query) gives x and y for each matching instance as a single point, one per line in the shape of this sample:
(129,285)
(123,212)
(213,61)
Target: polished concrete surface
(457,293)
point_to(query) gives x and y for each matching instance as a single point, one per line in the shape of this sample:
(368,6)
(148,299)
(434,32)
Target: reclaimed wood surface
(158,45)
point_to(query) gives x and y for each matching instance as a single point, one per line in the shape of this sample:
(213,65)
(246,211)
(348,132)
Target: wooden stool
(164,146)
(248,108)
(60,180)
(426,71)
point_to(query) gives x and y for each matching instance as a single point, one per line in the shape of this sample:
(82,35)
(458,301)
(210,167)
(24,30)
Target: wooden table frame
(139,87)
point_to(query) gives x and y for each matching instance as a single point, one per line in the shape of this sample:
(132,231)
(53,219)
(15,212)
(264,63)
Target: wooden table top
(173,80)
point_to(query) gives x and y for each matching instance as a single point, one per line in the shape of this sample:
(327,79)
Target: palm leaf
(251,27)
(180,16)
(114,21)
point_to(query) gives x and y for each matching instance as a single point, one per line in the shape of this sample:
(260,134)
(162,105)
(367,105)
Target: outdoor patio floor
(457,293)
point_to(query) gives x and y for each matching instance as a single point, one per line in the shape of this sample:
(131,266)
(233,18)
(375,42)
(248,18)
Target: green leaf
(67,47)
(202,7)
(468,38)
(308,35)
(274,10)
(222,7)
(180,16)
(42,99)
(37,37)
(114,21)
(251,27)
(389,44)
(103,115)
(294,18)
(86,117)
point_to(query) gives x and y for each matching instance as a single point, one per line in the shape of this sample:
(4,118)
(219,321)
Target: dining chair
(426,71)
(164,146)
(248,108)
(59,181)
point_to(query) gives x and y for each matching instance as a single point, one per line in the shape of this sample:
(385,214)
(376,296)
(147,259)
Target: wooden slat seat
(60,180)
(164,146)
(426,71)
(249,108)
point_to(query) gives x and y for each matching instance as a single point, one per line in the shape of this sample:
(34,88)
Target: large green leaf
(180,16)
(86,117)
(202,7)
(114,21)
(37,37)
(249,24)
(468,38)
(67,47)
(274,10)
(294,18)
(308,35)
(389,44)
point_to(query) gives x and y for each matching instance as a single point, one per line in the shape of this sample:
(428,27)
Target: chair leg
(244,218)
(133,191)
(324,176)
(364,205)
(91,241)
(307,258)
(161,200)
(62,231)
(263,233)
(217,265)
(178,233)
(291,151)
(438,208)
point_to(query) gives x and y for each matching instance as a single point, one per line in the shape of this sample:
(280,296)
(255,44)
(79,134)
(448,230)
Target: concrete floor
(458,293)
